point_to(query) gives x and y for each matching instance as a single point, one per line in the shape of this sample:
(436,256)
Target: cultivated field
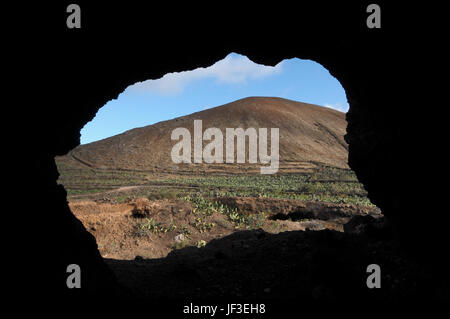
(133,213)
(321,183)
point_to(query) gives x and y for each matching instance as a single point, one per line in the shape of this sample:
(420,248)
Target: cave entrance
(139,202)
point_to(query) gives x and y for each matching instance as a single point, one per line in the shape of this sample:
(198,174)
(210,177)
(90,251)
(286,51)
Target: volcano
(309,135)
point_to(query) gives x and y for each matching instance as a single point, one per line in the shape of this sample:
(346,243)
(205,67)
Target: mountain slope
(308,134)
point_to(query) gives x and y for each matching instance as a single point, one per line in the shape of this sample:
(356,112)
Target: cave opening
(126,188)
(350,239)
(88,68)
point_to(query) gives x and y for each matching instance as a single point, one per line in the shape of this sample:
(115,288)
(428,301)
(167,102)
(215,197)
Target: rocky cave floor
(300,265)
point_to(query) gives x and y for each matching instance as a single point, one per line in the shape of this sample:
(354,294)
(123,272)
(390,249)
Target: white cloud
(233,69)
(343,107)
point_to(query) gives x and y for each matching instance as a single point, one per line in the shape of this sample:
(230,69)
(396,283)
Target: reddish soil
(118,233)
(116,226)
(283,259)
(291,208)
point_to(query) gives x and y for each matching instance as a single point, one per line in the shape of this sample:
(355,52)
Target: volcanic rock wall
(118,46)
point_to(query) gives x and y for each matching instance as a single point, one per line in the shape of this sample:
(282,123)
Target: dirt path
(116,190)
(129,188)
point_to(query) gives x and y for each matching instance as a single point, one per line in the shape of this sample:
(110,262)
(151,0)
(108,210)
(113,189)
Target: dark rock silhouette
(119,45)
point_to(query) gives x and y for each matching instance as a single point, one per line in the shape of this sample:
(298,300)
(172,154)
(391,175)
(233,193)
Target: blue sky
(233,78)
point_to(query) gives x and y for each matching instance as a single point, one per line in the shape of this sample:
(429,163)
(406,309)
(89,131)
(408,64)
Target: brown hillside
(308,134)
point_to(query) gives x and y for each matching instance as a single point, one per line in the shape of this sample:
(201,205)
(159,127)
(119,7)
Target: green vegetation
(327,184)
(327,173)
(255,221)
(200,243)
(184,231)
(202,226)
(206,207)
(150,226)
(180,245)
(82,180)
